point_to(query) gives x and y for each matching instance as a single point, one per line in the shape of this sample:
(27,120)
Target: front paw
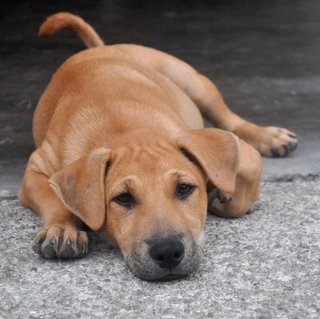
(217,196)
(270,141)
(61,241)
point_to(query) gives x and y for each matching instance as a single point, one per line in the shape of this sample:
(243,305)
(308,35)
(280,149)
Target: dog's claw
(49,248)
(274,152)
(39,240)
(293,145)
(66,250)
(222,197)
(269,141)
(286,150)
(283,143)
(36,246)
(84,250)
(64,242)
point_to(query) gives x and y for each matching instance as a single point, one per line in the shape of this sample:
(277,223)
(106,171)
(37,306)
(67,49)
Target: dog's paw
(270,141)
(217,196)
(61,241)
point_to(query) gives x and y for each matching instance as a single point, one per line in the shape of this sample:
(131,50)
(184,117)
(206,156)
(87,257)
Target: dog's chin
(144,268)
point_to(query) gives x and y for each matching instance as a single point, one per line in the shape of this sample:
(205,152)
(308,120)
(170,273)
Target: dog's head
(151,196)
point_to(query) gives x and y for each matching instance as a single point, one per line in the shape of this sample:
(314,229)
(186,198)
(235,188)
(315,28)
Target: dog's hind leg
(61,236)
(269,141)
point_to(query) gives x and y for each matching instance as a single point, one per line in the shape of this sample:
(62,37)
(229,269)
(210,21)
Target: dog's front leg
(61,236)
(247,188)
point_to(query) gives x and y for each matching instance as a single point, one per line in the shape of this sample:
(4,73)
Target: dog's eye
(125,200)
(183,190)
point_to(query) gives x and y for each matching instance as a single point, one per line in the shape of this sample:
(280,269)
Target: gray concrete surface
(264,265)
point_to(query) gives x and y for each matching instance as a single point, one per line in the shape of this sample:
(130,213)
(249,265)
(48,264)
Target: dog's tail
(65,20)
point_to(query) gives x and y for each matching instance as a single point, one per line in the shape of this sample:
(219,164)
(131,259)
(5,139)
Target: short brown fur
(126,118)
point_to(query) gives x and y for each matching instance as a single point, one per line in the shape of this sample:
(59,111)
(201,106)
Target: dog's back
(97,77)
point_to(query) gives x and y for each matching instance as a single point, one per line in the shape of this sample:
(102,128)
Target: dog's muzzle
(165,258)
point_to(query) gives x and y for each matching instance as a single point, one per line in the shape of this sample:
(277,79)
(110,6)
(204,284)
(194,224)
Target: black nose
(167,252)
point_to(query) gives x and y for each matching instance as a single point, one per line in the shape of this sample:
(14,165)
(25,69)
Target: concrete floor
(264,57)
(264,265)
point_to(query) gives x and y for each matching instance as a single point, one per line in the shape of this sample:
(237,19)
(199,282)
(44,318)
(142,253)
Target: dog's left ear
(81,187)
(216,151)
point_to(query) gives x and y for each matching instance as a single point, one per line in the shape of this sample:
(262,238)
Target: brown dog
(121,147)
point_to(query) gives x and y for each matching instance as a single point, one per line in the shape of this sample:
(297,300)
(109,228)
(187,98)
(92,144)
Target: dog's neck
(143,136)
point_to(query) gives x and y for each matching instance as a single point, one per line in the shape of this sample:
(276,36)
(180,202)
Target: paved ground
(264,56)
(265,265)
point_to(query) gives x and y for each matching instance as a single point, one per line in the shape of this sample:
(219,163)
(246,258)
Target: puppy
(120,147)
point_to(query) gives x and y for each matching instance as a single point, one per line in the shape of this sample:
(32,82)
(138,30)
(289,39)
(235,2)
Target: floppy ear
(217,152)
(81,187)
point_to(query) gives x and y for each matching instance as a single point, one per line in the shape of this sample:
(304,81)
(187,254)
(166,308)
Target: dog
(121,147)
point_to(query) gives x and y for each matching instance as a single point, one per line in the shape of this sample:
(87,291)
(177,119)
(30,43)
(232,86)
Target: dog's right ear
(81,187)
(216,151)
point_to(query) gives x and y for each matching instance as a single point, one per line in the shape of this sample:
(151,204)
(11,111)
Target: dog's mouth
(171,277)
(143,267)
